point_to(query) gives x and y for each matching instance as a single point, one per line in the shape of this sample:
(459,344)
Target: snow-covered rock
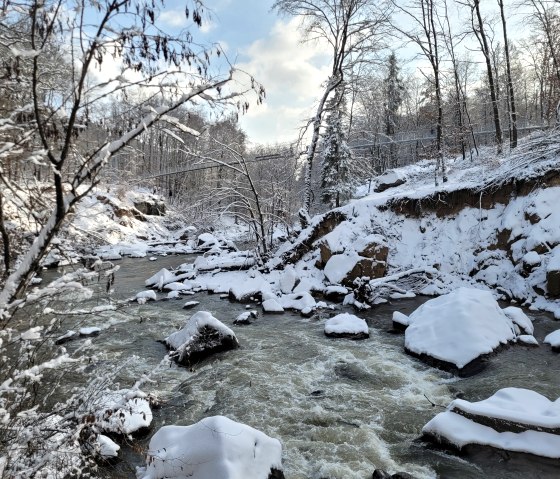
(190,304)
(160,279)
(249,288)
(201,336)
(527,339)
(272,305)
(346,325)
(143,296)
(347,267)
(107,447)
(513,419)
(297,301)
(390,179)
(89,331)
(335,293)
(554,340)
(288,279)
(400,321)
(245,318)
(214,448)
(236,260)
(520,319)
(453,331)
(123,412)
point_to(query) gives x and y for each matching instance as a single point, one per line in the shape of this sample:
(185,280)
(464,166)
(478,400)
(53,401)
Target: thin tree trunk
(481,35)
(5,240)
(513,112)
(304,212)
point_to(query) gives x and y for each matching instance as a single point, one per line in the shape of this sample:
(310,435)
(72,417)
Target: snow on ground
(458,327)
(534,417)
(508,248)
(215,447)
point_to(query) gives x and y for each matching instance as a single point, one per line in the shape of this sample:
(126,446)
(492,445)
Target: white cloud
(173,18)
(292,73)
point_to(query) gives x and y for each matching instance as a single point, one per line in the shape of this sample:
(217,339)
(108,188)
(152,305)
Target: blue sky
(267,46)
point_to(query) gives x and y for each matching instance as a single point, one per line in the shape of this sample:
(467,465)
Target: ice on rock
(346,325)
(89,331)
(190,304)
(457,328)
(173,295)
(214,448)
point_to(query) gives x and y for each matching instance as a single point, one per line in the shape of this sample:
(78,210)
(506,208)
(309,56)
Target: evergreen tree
(393,99)
(336,183)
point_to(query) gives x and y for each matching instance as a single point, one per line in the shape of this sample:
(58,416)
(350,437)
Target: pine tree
(393,99)
(336,182)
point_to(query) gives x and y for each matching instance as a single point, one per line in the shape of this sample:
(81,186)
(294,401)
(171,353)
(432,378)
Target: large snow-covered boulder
(214,448)
(389,179)
(346,325)
(201,336)
(513,419)
(347,267)
(456,330)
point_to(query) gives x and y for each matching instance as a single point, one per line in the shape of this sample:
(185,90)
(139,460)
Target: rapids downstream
(340,408)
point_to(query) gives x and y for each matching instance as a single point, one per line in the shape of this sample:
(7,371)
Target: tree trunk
(5,240)
(304,212)
(481,35)
(513,112)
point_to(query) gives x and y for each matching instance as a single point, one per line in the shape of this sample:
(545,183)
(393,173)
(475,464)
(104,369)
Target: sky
(266,45)
(269,47)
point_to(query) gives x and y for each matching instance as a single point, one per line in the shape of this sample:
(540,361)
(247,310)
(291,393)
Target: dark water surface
(340,408)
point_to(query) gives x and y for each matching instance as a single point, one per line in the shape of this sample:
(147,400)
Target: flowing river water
(340,408)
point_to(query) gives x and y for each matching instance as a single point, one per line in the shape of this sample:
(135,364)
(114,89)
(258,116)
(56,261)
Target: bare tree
(47,129)
(511,93)
(423,15)
(477,24)
(352,30)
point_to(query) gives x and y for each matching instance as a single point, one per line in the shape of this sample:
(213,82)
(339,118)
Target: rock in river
(202,336)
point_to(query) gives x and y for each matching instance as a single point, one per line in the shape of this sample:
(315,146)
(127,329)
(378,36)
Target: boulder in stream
(216,447)
(202,336)
(456,331)
(513,419)
(346,325)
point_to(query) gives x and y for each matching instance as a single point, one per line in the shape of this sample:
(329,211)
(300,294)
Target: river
(340,408)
